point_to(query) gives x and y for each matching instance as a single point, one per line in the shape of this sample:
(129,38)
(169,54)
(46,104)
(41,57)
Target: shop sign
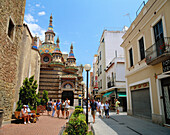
(140,86)
(166,65)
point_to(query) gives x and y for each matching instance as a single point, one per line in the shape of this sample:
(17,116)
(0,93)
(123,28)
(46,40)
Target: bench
(41,109)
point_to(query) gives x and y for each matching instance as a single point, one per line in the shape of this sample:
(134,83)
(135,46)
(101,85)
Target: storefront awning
(122,94)
(107,94)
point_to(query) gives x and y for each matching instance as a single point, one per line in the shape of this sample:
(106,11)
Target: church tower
(57,54)
(71,59)
(49,34)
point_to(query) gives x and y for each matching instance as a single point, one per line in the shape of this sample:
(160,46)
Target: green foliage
(77,124)
(78,107)
(77,127)
(27,94)
(44,99)
(77,112)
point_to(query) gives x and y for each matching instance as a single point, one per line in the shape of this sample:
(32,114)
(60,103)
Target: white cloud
(37,5)
(64,52)
(41,13)
(29,18)
(34,27)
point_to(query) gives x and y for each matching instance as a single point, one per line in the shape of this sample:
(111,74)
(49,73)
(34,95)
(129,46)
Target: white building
(109,48)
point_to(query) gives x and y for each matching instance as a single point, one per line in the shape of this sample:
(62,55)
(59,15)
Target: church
(59,74)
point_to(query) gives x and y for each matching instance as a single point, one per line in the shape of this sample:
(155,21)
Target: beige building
(29,60)
(147,50)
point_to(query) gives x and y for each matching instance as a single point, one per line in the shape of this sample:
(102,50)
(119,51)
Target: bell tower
(49,34)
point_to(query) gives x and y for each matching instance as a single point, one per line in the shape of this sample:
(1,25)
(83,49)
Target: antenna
(128,16)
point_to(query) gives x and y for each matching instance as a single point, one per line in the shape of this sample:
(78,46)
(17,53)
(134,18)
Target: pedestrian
(117,106)
(93,106)
(67,106)
(49,105)
(98,107)
(62,107)
(102,108)
(106,108)
(58,106)
(88,106)
(54,108)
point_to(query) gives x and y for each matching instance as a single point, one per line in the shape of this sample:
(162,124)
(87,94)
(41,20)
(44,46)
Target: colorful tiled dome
(46,48)
(71,54)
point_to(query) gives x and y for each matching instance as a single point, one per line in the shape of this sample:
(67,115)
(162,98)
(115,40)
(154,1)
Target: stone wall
(9,52)
(29,60)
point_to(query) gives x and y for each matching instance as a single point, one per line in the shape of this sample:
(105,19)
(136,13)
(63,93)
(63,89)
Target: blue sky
(80,22)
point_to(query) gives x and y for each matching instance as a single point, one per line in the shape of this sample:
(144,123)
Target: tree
(44,99)
(27,94)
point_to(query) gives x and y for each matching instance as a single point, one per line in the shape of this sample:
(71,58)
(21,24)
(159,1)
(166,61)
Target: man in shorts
(93,106)
(67,106)
(117,106)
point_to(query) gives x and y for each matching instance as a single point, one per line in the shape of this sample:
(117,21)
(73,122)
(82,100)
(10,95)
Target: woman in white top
(102,108)
(106,108)
(24,114)
(54,107)
(67,106)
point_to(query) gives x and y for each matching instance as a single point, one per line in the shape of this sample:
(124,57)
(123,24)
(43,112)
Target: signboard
(166,65)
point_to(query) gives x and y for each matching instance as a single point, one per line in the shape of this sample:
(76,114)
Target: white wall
(113,40)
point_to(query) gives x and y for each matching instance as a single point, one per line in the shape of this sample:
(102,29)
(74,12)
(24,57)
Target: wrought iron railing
(161,47)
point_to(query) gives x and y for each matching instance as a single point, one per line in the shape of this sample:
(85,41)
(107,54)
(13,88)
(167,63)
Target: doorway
(166,98)
(69,95)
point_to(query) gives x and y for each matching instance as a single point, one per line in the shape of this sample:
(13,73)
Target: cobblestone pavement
(46,125)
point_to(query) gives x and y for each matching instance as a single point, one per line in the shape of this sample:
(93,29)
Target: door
(166,98)
(141,105)
(69,95)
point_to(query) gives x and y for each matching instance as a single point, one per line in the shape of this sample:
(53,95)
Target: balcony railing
(110,84)
(158,52)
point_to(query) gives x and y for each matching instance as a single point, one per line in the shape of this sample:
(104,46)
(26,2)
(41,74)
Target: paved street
(126,125)
(46,125)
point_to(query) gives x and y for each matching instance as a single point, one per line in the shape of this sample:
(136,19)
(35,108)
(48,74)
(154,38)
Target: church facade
(59,74)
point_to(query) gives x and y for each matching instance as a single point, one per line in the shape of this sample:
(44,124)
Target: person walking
(106,108)
(93,106)
(67,106)
(102,108)
(58,106)
(98,107)
(49,106)
(54,108)
(62,107)
(117,106)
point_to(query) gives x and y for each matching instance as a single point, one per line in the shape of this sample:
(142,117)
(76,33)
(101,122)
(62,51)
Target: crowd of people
(97,106)
(58,107)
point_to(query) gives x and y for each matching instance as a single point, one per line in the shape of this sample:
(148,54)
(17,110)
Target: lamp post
(82,83)
(87,68)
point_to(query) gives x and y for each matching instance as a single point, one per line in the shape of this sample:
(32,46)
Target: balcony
(158,52)
(110,84)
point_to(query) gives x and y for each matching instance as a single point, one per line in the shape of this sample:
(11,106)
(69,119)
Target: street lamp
(82,84)
(87,67)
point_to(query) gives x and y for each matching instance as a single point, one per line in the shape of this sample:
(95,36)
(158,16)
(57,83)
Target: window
(100,55)
(48,37)
(45,59)
(101,84)
(100,69)
(158,31)
(98,60)
(131,57)
(142,49)
(11,29)
(103,40)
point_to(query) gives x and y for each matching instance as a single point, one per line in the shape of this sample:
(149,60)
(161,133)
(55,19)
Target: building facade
(146,46)
(29,60)
(116,83)
(109,48)
(59,74)
(12,16)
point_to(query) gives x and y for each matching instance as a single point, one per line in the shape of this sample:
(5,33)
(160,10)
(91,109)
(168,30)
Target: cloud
(41,13)
(64,52)
(34,27)
(37,5)
(29,18)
